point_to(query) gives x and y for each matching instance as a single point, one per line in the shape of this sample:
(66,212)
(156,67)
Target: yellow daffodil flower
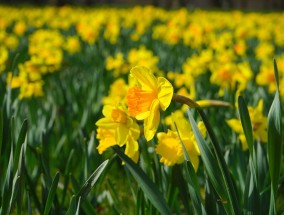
(117,128)
(145,100)
(259,125)
(169,146)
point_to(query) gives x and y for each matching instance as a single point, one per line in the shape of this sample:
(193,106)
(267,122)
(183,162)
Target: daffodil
(259,125)
(145,100)
(118,128)
(169,146)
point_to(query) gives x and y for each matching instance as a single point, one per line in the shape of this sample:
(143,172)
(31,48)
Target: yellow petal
(107,109)
(106,123)
(135,131)
(154,115)
(144,77)
(194,160)
(165,92)
(152,122)
(236,125)
(106,139)
(121,135)
(244,142)
(131,149)
(143,115)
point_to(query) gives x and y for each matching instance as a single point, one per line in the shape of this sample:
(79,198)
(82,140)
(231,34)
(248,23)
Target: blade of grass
(212,167)
(87,207)
(229,186)
(72,207)
(78,206)
(275,142)
(86,188)
(51,194)
(20,141)
(193,186)
(252,200)
(149,188)
(1,129)
(251,193)
(246,124)
(7,185)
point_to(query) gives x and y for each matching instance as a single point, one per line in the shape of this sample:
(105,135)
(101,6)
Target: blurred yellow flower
(145,99)
(117,128)
(4,54)
(20,28)
(72,44)
(169,146)
(117,93)
(259,125)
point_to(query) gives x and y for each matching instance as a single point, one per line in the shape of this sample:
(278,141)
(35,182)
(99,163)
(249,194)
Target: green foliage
(49,163)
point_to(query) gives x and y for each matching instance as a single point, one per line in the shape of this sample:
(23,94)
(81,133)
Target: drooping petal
(106,123)
(121,134)
(143,115)
(165,92)
(236,125)
(144,77)
(151,123)
(154,115)
(106,139)
(131,149)
(194,160)
(135,131)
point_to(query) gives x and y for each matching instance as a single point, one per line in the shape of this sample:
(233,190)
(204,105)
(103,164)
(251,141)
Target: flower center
(119,116)
(139,101)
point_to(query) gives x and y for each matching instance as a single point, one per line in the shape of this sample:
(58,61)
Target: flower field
(140,110)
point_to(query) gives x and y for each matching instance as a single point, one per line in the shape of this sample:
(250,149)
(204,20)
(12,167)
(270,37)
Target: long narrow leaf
(212,167)
(275,144)
(145,183)
(251,194)
(86,188)
(229,186)
(20,141)
(194,189)
(7,185)
(246,123)
(72,207)
(51,194)
(1,129)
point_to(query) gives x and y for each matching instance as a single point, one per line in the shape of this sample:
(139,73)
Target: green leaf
(78,206)
(8,184)
(276,74)
(246,123)
(14,192)
(20,173)
(275,143)
(212,166)
(149,188)
(86,188)
(1,129)
(87,207)
(29,204)
(51,194)
(72,207)
(251,193)
(193,186)
(21,139)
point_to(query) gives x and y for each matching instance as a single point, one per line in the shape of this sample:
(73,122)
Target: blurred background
(224,4)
